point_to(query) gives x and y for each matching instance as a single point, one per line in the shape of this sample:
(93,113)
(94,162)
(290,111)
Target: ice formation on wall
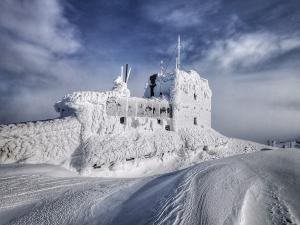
(42,141)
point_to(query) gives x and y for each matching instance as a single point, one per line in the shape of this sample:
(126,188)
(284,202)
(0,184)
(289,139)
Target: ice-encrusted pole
(161,67)
(126,72)
(122,73)
(178,53)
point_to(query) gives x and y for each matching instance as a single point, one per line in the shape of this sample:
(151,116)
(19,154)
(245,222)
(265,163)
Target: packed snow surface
(257,188)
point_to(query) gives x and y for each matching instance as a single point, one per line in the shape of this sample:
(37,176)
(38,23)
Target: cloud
(250,102)
(37,45)
(245,51)
(40,23)
(180,14)
(259,106)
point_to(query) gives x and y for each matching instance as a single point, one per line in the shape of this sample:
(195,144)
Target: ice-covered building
(91,120)
(171,101)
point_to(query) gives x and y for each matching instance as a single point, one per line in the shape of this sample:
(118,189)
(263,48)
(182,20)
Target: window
(195,96)
(162,110)
(152,84)
(167,127)
(158,121)
(195,120)
(122,120)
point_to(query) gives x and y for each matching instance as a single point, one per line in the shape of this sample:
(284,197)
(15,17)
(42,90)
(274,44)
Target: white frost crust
(50,141)
(173,150)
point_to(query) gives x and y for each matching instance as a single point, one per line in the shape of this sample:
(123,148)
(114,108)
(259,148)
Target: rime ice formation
(101,129)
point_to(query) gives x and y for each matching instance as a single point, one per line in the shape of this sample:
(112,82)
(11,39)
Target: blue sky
(249,51)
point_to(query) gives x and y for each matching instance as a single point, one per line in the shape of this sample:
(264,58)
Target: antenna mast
(178,53)
(161,67)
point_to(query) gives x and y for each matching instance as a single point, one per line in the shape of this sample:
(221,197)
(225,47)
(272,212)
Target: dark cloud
(249,51)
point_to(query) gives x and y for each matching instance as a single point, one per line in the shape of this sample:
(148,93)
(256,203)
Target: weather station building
(171,101)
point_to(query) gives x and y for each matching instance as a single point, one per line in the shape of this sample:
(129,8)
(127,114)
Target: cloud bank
(37,43)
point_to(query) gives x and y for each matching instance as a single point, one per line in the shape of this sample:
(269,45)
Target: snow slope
(257,188)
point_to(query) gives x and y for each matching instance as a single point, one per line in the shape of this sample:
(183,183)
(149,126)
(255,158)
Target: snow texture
(258,188)
(50,141)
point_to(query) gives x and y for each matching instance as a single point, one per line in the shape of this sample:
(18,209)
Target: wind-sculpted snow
(127,147)
(258,188)
(44,141)
(163,150)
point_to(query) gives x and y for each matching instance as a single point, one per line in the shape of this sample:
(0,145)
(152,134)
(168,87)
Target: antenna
(178,53)
(128,74)
(122,73)
(161,67)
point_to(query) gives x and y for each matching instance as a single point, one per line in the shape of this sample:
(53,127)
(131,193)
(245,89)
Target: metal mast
(178,53)
(161,67)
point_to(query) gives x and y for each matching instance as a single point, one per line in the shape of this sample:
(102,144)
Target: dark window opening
(162,110)
(129,159)
(167,127)
(148,108)
(122,120)
(158,121)
(160,94)
(96,166)
(153,111)
(195,120)
(152,84)
(195,96)
(205,148)
(152,90)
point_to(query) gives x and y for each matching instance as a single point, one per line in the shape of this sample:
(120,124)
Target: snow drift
(257,188)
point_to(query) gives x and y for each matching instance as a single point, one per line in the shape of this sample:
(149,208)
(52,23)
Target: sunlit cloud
(248,50)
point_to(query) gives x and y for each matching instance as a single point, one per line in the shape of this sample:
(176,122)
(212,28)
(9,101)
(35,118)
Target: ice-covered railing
(86,96)
(31,127)
(138,107)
